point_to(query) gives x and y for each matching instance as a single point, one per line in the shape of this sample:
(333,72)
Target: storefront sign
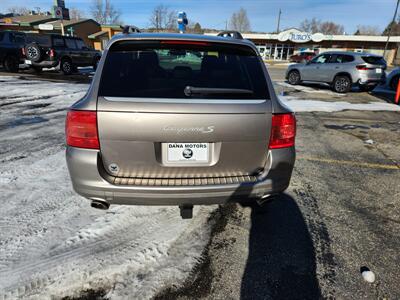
(46,27)
(298,36)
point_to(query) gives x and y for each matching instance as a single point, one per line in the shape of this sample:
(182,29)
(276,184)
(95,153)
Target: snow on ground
(52,243)
(298,105)
(307,89)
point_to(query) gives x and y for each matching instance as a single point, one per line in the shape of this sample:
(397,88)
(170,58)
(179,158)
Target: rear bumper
(88,181)
(45,63)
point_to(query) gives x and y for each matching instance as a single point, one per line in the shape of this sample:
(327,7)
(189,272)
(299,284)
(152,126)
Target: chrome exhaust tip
(99,204)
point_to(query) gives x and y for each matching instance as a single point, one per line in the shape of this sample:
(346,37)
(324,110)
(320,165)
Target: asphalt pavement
(340,215)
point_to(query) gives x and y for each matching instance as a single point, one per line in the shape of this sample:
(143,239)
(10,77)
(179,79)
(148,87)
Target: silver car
(341,70)
(175,119)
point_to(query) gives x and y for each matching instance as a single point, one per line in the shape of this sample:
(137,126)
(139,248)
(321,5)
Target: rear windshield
(179,69)
(374,60)
(42,40)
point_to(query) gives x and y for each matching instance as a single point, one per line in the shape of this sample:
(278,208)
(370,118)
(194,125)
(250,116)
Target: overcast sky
(262,13)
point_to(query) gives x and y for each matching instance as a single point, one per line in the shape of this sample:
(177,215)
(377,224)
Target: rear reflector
(81,129)
(283,131)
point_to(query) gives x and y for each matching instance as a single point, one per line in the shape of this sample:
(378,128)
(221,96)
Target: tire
(33,52)
(394,82)
(294,77)
(341,84)
(11,64)
(366,88)
(66,66)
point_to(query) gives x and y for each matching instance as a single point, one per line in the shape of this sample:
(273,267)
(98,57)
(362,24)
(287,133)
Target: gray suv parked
(341,70)
(176,119)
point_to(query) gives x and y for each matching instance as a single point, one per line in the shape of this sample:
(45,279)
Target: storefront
(289,42)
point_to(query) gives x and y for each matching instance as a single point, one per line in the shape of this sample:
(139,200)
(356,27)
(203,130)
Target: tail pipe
(100,204)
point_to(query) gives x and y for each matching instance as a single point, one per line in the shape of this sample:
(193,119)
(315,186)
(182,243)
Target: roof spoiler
(129,29)
(231,34)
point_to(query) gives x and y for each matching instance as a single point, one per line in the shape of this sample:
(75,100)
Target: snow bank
(298,105)
(53,244)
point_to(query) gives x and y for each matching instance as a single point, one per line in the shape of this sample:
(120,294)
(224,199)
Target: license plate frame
(186,154)
(378,71)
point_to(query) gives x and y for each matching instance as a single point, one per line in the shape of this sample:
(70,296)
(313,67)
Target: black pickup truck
(52,50)
(11,49)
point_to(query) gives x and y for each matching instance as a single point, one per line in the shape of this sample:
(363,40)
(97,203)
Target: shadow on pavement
(281,262)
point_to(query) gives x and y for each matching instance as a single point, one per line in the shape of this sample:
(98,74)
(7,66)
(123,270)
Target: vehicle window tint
(70,43)
(1,36)
(19,38)
(163,70)
(80,44)
(58,42)
(323,58)
(40,39)
(341,58)
(374,60)
(347,58)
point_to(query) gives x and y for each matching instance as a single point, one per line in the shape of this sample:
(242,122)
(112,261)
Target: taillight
(283,131)
(81,129)
(362,68)
(23,52)
(52,53)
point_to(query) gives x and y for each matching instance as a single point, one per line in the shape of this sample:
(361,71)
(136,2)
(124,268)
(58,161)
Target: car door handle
(336,67)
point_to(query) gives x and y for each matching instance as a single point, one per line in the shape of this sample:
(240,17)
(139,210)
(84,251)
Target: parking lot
(340,214)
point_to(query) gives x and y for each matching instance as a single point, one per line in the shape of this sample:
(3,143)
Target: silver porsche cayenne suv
(176,119)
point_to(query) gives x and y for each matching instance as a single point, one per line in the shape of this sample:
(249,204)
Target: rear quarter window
(58,42)
(165,70)
(70,43)
(42,40)
(374,60)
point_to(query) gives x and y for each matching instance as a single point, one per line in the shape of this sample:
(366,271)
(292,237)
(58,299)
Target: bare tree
(163,18)
(194,27)
(76,14)
(19,10)
(327,27)
(239,21)
(367,30)
(105,13)
(311,26)
(331,28)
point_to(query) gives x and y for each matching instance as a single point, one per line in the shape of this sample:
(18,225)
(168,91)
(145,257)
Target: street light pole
(390,28)
(279,20)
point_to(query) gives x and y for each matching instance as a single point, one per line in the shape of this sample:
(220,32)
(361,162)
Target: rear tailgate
(147,123)
(374,68)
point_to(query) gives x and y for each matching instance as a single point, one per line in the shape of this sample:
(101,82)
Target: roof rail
(130,29)
(230,34)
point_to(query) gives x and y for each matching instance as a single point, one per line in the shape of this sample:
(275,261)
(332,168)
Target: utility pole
(279,21)
(390,28)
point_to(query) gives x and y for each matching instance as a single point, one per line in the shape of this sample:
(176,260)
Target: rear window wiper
(191,90)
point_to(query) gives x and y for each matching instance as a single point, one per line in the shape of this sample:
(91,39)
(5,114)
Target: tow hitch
(186,211)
